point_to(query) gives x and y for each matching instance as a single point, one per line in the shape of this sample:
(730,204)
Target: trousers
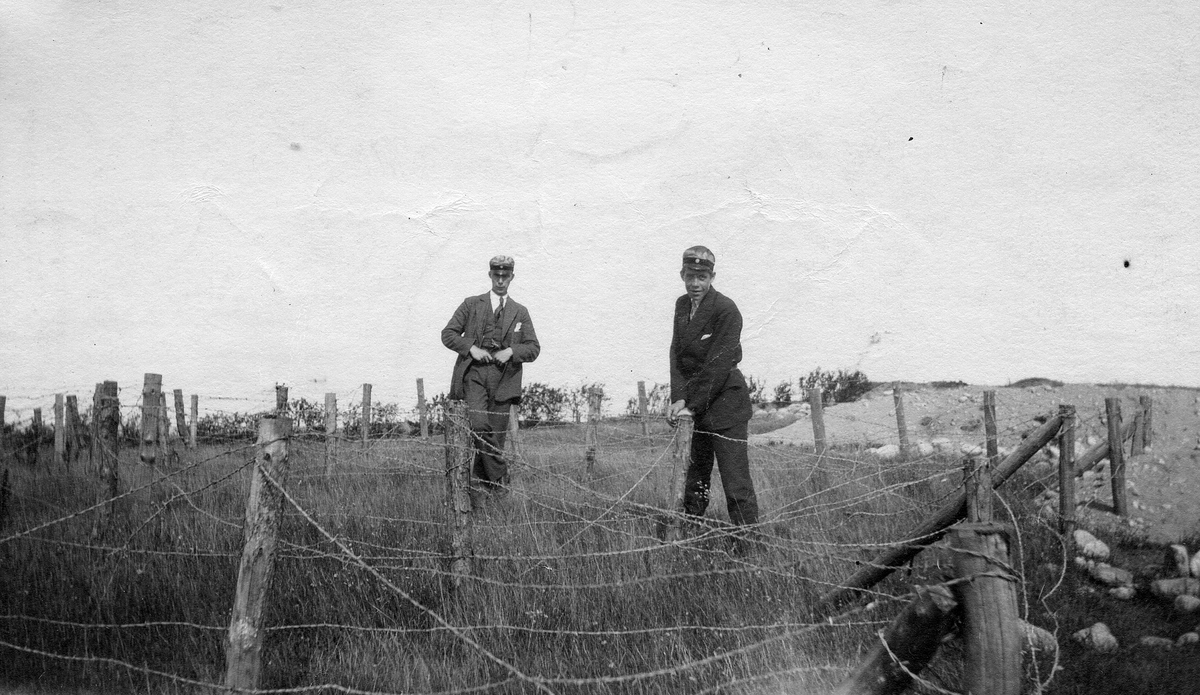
(488,419)
(728,447)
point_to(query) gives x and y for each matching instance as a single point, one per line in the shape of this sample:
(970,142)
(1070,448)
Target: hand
(503,356)
(674,410)
(480,355)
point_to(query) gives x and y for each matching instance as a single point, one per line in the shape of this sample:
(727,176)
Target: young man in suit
(493,337)
(705,381)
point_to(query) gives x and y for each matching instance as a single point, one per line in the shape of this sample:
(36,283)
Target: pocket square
(706,336)
(517,327)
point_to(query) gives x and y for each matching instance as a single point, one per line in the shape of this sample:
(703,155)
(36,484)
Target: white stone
(1156,642)
(1037,639)
(941,443)
(1187,604)
(971,449)
(1177,561)
(886,452)
(1111,576)
(1122,593)
(1170,588)
(1187,638)
(1090,546)
(1194,565)
(924,448)
(1097,637)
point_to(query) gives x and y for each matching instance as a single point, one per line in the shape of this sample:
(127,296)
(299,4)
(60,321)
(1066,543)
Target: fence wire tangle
(572,588)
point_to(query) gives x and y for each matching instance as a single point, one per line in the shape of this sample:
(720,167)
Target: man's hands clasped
(499,357)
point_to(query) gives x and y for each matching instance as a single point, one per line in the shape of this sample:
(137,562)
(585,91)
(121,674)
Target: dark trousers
(728,446)
(489,422)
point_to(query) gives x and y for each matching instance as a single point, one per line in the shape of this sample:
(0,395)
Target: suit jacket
(705,352)
(467,327)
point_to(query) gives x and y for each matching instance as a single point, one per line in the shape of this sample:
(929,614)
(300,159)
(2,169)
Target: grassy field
(572,589)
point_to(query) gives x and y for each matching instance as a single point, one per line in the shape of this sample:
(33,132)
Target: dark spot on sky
(295,145)
(739,74)
(910,139)
(1126,264)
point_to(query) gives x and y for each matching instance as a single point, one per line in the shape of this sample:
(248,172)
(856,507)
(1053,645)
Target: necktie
(695,306)
(499,309)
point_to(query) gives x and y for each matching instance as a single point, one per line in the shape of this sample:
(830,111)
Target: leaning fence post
(901,423)
(681,461)
(37,436)
(195,408)
(3,431)
(989,427)
(460,456)
(422,409)
(72,428)
(591,434)
(281,399)
(264,507)
(366,415)
(643,409)
(514,426)
(331,435)
(1146,403)
(1116,455)
(988,594)
(151,387)
(816,410)
(1137,446)
(60,431)
(164,426)
(1066,472)
(180,421)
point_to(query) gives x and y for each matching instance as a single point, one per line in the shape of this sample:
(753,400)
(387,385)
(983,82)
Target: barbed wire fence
(571,588)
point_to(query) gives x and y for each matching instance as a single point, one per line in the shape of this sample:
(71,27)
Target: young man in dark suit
(493,337)
(706,346)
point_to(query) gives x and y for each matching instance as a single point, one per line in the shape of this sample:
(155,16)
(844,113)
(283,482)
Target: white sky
(303,192)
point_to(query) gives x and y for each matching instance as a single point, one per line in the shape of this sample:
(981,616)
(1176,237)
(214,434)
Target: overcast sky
(303,192)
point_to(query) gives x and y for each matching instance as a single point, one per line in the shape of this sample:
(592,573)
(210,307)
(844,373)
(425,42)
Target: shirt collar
(496,299)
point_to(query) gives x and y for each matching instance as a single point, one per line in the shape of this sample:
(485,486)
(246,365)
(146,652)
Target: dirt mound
(1165,489)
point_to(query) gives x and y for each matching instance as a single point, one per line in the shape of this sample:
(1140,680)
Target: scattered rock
(1194,565)
(887,452)
(1097,637)
(1110,576)
(1090,546)
(924,448)
(1156,642)
(1187,604)
(1187,638)
(1179,586)
(1176,561)
(1034,638)
(971,449)
(1122,593)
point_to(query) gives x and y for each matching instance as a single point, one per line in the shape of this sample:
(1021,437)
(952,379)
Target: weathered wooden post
(816,406)
(93,451)
(281,399)
(988,594)
(3,430)
(36,426)
(422,409)
(4,494)
(180,421)
(1116,455)
(1147,407)
(514,426)
(901,422)
(164,428)
(991,442)
(1066,472)
(151,390)
(264,507)
(460,455)
(366,415)
(1136,446)
(60,430)
(644,408)
(331,435)
(107,416)
(681,461)
(72,429)
(195,418)
(591,434)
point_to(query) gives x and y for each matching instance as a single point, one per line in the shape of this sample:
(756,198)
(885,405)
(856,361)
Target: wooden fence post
(514,426)
(4,494)
(107,416)
(591,434)
(977,481)
(988,594)
(264,507)
(681,461)
(331,435)
(180,421)
(3,430)
(460,456)
(60,431)
(151,389)
(37,436)
(991,442)
(901,422)
(1066,472)
(366,415)
(281,399)
(1116,455)
(72,428)
(93,451)
(644,408)
(164,428)
(1136,446)
(195,417)
(422,409)
(1147,406)
(817,412)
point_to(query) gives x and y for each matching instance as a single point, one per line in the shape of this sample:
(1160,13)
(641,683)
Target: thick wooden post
(366,415)
(164,427)
(681,461)
(1136,446)
(107,417)
(3,431)
(816,406)
(36,426)
(281,399)
(93,450)
(977,481)
(1116,456)
(422,409)
(906,645)
(264,507)
(1066,472)
(180,421)
(901,422)
(1147,407)
(331,435)
(644,408)
(988,594)
(151,390)
(514,426)
(72,429)
(60,430)
(991,442)
(460,456)
(195,418)
(591,434)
